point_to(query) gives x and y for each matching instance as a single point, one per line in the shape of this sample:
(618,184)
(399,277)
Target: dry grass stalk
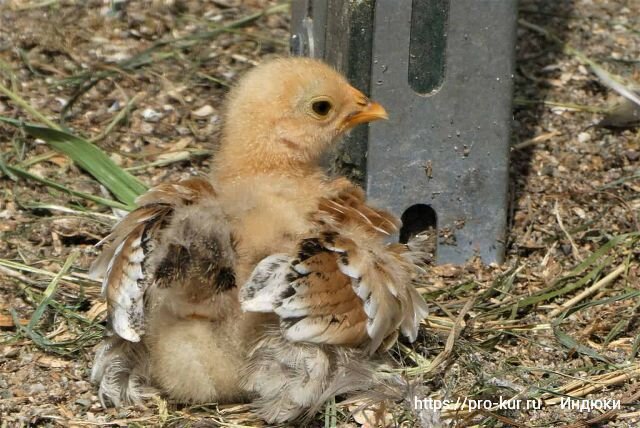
(580,388)
(612,276)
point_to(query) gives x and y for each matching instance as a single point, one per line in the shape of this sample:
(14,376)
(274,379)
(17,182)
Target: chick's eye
(321,108)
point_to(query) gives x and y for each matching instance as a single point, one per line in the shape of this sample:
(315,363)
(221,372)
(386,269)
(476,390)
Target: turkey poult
(269,281)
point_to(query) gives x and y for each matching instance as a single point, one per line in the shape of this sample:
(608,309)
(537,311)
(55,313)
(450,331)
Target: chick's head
(292,110)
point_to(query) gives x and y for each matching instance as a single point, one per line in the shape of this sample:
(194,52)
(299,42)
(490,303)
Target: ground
(144,80)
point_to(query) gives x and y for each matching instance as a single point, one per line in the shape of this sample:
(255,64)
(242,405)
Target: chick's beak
(367,111)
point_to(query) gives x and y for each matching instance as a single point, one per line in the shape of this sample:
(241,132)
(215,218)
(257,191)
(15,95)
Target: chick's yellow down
(268,281)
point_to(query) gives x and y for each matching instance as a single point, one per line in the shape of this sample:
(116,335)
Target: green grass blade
(4,168)
(124,186)
(634,348)
(548,295)
(563,286)
(50,290)
(104,201)
(571,344)
(629,295)
(330,414)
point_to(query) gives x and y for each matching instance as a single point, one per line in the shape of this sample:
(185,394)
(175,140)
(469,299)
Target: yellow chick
(269,281)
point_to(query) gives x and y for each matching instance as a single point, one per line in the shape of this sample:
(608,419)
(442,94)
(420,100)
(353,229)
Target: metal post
(443,69)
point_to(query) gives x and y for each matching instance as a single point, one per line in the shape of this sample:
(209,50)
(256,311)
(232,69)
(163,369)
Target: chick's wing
(343,286)
(177,237)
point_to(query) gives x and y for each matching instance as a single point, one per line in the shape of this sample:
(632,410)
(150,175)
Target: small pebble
(183,130)
(114,107)
(146,128)
(83,402)
(83,385)
(579,212)
(204,111)
(583,137)
(150,115)
(116,158)
(36,388)
(547,170)
(632,155)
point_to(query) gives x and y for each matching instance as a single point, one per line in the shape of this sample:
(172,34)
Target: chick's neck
(274,156)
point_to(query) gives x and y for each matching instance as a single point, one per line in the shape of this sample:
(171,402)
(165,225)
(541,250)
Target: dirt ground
(145,79)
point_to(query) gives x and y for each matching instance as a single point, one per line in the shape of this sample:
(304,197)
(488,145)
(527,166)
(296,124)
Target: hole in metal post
(428,43)
(416,219)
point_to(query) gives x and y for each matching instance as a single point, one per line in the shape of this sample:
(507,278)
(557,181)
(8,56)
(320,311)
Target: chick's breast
(268,215)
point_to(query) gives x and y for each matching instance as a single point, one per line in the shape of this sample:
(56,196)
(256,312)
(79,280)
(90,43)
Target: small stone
(36,388)
(83,402)
(116,158)
(632,155)
(28,357)
(579,212)
(146,129)
(183,130)
(114,107)
(547,170)
(583,137)
(202,112)
(8,351)
(83,385)
(150,115)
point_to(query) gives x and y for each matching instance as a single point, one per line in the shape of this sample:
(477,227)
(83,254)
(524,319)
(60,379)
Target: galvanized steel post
(443,69)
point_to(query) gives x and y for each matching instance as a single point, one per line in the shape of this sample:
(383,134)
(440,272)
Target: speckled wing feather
(343,286)
(123,263)
(348,207)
